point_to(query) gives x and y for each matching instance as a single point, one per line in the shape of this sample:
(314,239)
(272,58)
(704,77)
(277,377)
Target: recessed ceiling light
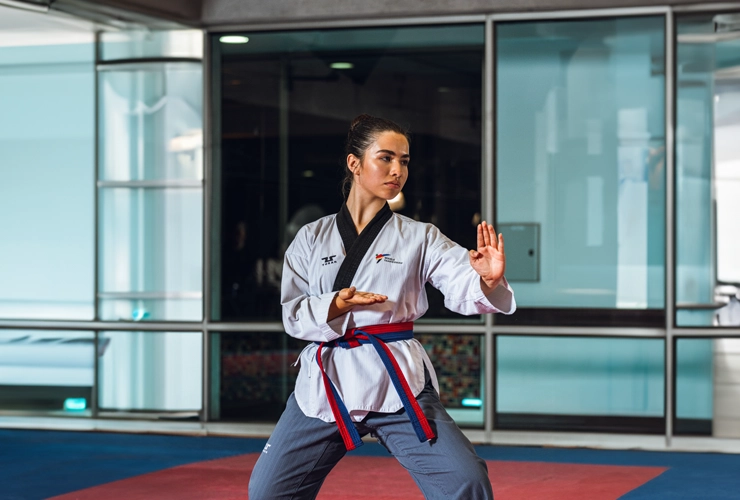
(233,39)
(342,65)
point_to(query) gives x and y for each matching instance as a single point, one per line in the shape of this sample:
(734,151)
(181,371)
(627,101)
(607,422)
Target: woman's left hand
(489,261)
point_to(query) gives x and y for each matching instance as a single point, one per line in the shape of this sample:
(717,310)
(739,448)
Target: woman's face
(384,169)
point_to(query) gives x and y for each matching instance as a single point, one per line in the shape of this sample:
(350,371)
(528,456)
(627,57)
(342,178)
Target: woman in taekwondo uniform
(353,283)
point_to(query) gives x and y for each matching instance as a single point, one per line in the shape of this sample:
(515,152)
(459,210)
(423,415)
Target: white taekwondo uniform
(401,258)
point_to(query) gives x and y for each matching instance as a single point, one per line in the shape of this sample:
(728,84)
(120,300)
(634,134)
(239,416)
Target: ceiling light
(342,65)
(233,39)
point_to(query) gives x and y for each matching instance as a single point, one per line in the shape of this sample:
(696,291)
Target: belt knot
(377,335)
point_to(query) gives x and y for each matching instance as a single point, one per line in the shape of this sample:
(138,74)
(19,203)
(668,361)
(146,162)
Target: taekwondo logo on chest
(328,260)
(385,257)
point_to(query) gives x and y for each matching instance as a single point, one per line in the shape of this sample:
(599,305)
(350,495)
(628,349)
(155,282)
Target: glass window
(707,171)
(150,192)
(459,363)
(580,383)
(286,102)
(695,362)
(116,45)
(708,387)
(151,123)
(47,371)
(47,192)
(252,374)
(150,254)
(151,371)
(580,187)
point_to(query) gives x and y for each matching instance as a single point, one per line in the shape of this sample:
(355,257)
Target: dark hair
(362,132)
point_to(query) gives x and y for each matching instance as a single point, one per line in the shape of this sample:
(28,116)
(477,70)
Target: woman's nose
(396,168)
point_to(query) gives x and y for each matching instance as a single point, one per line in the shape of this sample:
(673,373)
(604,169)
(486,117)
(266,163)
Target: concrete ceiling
(221,14)
(152,13)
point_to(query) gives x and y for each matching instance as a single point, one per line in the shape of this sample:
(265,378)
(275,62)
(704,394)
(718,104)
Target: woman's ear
(353,163)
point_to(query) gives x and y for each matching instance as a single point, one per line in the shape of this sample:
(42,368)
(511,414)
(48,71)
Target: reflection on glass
(151,253)
(580,147)
(134,44)
(458,362)
(577,383)
(254,374)
(47,370)
(726,394)
(47,208)
(707,171)
(285,110)
(157,371)
(151,124)
(141,307)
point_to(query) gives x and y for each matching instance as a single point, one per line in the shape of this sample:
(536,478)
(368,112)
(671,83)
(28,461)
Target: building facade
(158,162)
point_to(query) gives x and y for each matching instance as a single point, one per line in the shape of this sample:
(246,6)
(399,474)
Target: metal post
(489,211)
(94,403)
(670,85)
(207,225)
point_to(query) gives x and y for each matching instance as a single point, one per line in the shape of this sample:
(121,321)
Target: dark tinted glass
(286,102)
(255,374)
(459,364)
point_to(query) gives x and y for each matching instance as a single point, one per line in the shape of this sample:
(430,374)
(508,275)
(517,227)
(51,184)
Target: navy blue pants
(303,450)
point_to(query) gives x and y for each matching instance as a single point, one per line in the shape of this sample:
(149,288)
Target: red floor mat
(376,478)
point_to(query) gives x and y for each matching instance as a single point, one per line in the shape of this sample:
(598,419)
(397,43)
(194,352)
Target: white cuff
(335,328)
(501,298)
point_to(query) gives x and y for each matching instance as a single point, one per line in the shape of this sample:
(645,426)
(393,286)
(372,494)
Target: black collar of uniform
(356,246)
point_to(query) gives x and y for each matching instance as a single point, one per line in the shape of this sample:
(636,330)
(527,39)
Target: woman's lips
(393,185)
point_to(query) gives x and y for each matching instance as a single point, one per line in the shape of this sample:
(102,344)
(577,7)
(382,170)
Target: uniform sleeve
(304,315)
(448,269)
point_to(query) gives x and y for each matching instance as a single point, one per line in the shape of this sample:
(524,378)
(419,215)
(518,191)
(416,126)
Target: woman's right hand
(347,298)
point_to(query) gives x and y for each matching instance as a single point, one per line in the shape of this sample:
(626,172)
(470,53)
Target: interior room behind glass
(287,100)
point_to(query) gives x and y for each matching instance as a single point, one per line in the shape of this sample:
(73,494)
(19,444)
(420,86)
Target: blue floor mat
(40,464)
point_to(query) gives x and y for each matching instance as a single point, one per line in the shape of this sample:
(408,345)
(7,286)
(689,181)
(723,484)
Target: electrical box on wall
(522,250)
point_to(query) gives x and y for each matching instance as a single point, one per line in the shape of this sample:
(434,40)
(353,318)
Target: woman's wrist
(490,285)
(338,307)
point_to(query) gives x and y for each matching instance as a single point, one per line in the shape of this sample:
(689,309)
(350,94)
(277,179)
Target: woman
(353,283)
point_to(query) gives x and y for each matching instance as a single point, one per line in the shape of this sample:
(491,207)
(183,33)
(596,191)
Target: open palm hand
(353,297)
(489,260)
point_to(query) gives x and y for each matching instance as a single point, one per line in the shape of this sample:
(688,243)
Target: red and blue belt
(378,336)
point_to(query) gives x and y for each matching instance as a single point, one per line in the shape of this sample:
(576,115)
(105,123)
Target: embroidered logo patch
(328,260)
(379,257)
(385,257)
